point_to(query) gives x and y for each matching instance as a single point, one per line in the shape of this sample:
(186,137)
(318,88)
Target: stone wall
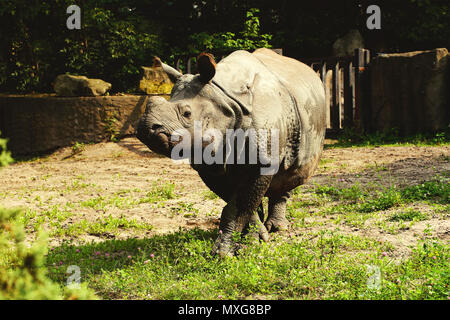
(409,91)
(40,123)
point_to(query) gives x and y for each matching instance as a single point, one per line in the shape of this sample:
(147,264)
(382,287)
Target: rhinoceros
(259,91)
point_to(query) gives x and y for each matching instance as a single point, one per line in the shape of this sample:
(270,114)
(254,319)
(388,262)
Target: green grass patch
(408,215)
(210,195)
(100,227)
(159,193)
(324,265)
(366,201)
(350,138)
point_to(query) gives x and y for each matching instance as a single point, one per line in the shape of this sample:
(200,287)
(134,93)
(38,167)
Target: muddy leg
(276,221)
(240,212)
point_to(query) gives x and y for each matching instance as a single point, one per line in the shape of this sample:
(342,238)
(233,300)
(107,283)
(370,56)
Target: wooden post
(177,65)
(348,96)
(324,76)
(189,65)
(362,59)
(335,112)
(324,73)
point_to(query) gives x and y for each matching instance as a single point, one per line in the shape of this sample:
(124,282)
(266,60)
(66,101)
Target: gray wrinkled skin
(260,90)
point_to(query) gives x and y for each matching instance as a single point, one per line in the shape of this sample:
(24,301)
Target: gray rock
(155,81)
(71,86)
(346,45)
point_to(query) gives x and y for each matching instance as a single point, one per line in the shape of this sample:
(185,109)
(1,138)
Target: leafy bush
(111,48)
(248,39)
(117,36)
(23,274)
(112,44)
(5,155)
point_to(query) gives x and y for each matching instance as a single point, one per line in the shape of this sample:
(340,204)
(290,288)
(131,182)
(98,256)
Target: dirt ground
(70,176)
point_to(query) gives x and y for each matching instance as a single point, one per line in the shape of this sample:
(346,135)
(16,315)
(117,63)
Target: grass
(323,265)
(356,206)
(108,226)
(210,195)
(408,215)
(365,201)
(69,219)
(316,264)
(351,138)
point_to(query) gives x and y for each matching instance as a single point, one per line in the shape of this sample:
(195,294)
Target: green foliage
(408,215)
(210,195)
(78,147)
(112,44)
(438,188)
(359,200)
(5,155)
(117,37)
(249,38)
(381,201)
(111,41)
(23,274)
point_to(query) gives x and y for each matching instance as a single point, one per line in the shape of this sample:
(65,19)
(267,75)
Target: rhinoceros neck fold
(243,110)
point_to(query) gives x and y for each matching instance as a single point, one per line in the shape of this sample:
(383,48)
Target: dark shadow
(137,147)
(135,115)
(108,255)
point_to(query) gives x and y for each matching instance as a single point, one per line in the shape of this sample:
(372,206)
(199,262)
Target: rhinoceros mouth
(158,142)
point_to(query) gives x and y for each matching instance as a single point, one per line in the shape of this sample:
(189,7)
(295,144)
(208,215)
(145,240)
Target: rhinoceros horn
(171,72)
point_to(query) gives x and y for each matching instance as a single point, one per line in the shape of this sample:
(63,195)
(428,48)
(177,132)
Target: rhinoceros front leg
(239,213)
(276,220)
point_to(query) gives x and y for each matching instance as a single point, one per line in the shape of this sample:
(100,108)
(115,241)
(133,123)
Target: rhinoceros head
(194,100)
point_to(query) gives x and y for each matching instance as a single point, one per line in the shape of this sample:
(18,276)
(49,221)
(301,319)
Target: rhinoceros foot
(232,230)
(276,224)
(276,221)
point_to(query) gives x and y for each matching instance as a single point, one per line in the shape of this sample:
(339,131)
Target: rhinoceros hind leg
(276,220)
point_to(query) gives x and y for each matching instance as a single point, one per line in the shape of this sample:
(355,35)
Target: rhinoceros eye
(187,114)
(185,111)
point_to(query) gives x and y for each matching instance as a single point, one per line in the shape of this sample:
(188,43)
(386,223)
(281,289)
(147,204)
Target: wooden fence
(345,87)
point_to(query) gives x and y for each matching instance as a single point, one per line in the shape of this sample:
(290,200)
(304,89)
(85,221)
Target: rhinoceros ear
(206,67)
(171,72)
